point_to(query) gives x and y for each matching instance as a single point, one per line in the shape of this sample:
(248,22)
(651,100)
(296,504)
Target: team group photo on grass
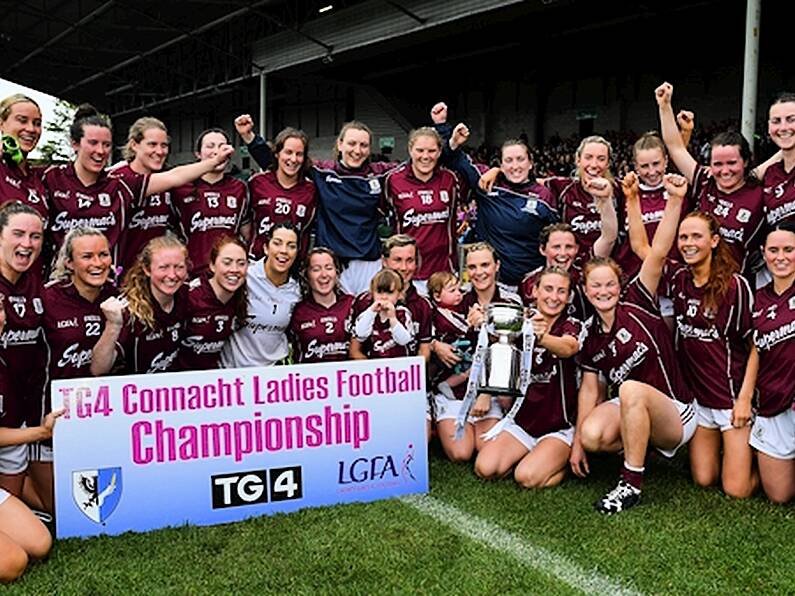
(604,344)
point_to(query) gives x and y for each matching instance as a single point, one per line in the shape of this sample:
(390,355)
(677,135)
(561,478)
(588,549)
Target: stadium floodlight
(326,8)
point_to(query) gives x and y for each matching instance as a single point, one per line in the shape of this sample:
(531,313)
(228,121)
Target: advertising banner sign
(140,452)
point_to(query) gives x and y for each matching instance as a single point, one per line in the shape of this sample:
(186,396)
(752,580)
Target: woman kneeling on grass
(538,440)
(630,344)
(773,433)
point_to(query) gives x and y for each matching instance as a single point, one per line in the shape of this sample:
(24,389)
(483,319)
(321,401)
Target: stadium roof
(127,53)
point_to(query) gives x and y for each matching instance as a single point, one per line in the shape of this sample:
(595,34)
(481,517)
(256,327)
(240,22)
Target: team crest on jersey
(444,196)
(300,211)
(623,335)
(792,303)
(231,202)
(743,215)
(375,186)
(771,311)
(530,206)
(33,196)
(97,492)
(38,307)
(104,199)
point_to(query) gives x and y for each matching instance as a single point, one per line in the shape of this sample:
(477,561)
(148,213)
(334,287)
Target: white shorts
(3,496)
(688,417)
(39,452)
(517,432)
(421,285)
(714,418)
(13,459)
(775,435)
(447,409)
(355,278)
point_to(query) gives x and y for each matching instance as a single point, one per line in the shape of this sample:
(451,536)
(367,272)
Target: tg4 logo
(257,486)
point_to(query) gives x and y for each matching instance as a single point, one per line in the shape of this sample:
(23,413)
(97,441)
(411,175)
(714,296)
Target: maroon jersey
(712,346)
(652,206)
(104,205)
(21,346)
(320,333)
(426,212)
(421,315)
(155,350)
(579,307)
(551,400)
(778,188)
(637,347)
(209,323)
(577,208)
(151,216)
(381,344)
(449,326)
(72,325)
(741,213)
(207,211)
(271,203)
(28,188)
(774,337)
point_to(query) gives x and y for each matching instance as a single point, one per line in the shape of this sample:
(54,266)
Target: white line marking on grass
(485,532)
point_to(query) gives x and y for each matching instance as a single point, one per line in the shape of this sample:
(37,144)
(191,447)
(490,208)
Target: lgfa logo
(376,468)
(97,492)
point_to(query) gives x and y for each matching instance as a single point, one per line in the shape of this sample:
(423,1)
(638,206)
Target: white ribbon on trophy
(528,344)
(475,382)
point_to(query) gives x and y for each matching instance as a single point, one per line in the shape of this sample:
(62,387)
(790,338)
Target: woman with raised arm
(153,215)
(724,189)
(537,443)
(422,197)
(283,193)
(349,194)
(513,207)
(712,307)
(320,325)
(145,326)
(20,125)
(628,342)
(650,160)
(773,433)
(212,205)
(83,193)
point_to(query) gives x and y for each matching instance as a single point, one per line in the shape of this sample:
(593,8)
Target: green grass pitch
(681,540)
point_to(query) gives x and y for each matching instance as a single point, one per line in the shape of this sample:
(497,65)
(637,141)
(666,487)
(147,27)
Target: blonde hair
(438,281)
(137,132)
(600,141)
(424,131)
(66,252)
(7,103)
(136,282)
(352,125)
(386,280)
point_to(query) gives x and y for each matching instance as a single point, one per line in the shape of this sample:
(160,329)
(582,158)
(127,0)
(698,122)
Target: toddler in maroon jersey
(384,329)
(451,327)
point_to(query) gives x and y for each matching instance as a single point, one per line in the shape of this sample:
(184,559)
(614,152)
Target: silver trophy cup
(502,361)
